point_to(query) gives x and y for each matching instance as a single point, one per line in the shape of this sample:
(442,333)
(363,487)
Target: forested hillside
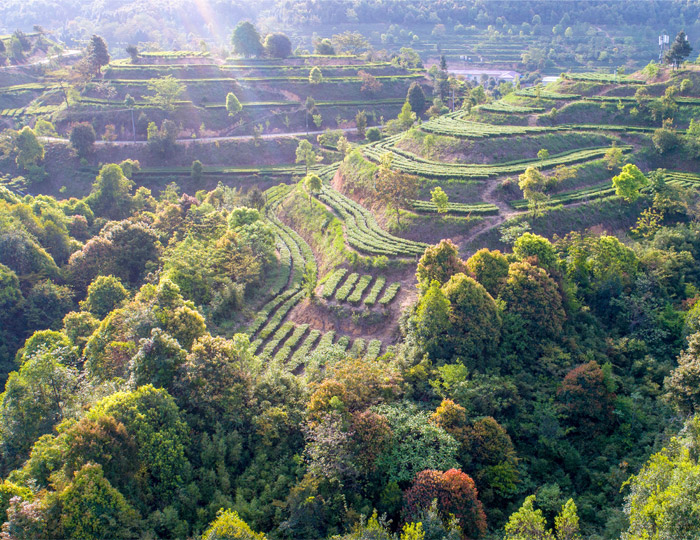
(263,283)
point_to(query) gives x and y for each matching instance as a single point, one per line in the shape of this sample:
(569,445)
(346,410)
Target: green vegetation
(344,291)
(373,293)
(362,231)
(389,294)
(208,331)
(412,164)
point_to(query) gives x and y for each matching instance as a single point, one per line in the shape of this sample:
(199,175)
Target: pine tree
(679,51)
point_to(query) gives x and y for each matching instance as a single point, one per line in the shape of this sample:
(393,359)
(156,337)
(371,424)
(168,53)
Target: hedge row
(374,291)
(332,282)
(484,209)
(362,231)
(344,291)
(413,164)
(390,293)
(285,352)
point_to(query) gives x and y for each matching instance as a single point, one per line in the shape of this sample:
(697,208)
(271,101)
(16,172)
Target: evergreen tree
(97,53)
(679,50)
(416,98)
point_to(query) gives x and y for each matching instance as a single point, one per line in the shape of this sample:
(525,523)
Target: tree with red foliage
(585,399)
(455,493)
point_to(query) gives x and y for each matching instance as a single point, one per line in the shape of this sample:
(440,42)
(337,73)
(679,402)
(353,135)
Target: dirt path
(505,211)
(70,53)
(190,140)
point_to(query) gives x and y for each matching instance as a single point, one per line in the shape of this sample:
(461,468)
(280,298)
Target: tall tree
(533,183)
(395,188)
(277,46)
(305,154)
(133,52)
(629,182)
(350,42)
(456,494)
(97,53)
(416,97)
(29,151)
(246,40)
(313,184)
(324,47)
(679,50)
(440,199)
(361,123)
(92,508)
(82,138)
(229,526)
(683,384)
(439,262)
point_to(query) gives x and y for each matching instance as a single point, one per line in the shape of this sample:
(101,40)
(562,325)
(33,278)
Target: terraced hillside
(274,94)
(346,264)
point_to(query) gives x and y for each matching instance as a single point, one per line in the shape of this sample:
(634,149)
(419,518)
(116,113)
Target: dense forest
(280,271)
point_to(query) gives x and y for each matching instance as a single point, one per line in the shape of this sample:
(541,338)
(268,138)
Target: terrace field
(301,291)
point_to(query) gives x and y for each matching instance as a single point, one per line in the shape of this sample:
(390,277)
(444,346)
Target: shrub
(373,134)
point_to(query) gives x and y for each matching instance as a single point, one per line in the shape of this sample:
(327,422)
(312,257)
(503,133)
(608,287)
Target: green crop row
(601,78)
(326,340)
(332,282)
(300,251)
(294,255)
(374,347)
(594,192)
(484,209)
(629,100)
(445,125)
(274,322)
(276,193)
(286,350)
(605,190)
(280,275)
(12,113)
(344,291)
(264,313)
(532,92)
(343,343)
(453,127)
(280,334)
(363,232)
(390,293)
(274,170)
(500,107)
(359,289)
(413,164)
(270,79)
(374,291)
(34,110)
(358,348)
(252,65)
(25,87)
(303,351)
(174,54)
